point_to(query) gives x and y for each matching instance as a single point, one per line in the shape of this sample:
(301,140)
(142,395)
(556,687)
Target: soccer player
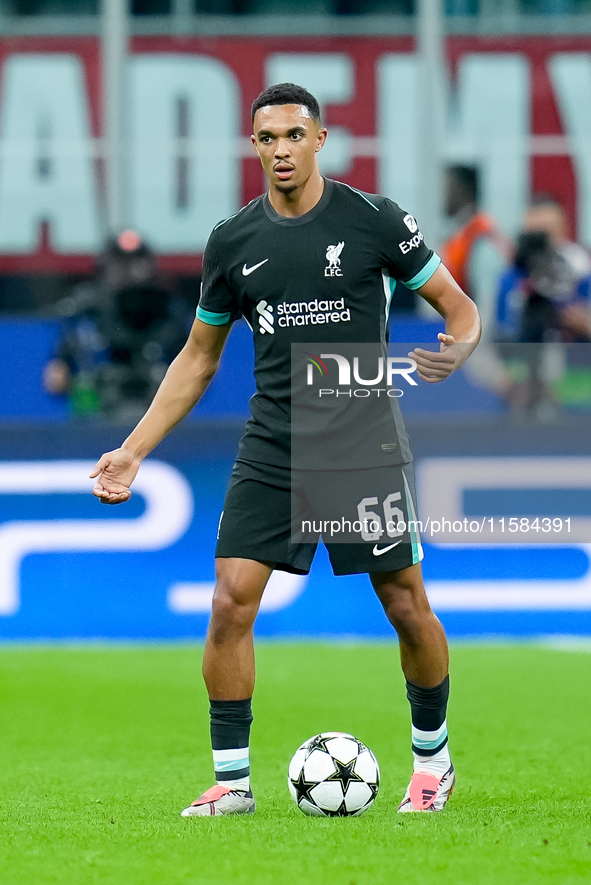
(308,240)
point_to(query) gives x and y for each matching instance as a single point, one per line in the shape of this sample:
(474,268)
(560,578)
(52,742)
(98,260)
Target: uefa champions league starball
(333,775)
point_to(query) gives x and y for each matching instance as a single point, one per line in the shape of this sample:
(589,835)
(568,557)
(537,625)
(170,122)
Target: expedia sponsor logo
(411,223)
(312,313)
(406,245)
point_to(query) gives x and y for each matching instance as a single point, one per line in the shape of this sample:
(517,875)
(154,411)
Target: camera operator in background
(544,296)
(544,302)
(120,334)
(476,251)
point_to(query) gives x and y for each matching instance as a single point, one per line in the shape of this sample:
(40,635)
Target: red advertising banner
(519,110)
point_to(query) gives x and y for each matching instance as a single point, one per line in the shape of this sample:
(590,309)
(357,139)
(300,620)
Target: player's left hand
(114,474)
(433,366)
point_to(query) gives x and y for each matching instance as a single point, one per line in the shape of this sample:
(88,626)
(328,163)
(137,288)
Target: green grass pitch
(100,749)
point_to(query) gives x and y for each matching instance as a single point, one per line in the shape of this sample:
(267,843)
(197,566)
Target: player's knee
(233,607)
(406,611)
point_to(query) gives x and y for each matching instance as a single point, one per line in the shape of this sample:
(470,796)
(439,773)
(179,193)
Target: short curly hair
(287,93)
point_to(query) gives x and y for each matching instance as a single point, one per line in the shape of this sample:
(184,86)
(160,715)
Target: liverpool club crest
(333,268)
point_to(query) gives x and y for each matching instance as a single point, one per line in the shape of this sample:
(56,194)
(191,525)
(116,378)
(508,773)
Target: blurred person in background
(475,252)
(120,334)
(544,295)
(544,303)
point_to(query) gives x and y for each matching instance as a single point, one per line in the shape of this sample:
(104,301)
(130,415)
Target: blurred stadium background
(123,139)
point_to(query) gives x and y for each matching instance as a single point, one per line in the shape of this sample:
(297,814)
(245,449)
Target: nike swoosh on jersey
(377,552)
(246,270)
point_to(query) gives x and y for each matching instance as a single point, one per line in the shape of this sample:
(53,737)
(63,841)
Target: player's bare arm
(183,385)
(462,327)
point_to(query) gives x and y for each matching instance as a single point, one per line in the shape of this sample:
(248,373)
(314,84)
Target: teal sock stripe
(234,765)
(422,744)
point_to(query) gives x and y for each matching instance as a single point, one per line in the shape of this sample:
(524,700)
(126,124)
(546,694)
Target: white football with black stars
(333,775)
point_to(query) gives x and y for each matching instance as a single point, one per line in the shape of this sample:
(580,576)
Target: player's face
(287,139)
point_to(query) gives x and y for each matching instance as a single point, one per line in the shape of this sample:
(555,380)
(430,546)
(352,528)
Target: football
(333,775)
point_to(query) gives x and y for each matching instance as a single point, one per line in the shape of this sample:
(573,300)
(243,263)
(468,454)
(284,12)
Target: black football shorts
(366,518)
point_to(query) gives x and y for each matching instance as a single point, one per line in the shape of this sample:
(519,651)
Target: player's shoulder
(382,213)
(235,223)
(375,202)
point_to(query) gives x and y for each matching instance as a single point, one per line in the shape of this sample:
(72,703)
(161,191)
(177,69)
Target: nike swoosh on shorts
(377,552)
(247,270)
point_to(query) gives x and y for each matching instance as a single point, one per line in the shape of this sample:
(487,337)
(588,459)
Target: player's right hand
(115,472)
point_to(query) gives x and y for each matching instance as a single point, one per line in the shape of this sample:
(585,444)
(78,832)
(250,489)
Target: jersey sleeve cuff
(212,318)
(424,275)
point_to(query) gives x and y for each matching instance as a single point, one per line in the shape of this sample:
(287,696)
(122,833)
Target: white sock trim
(437,764)
(242,783)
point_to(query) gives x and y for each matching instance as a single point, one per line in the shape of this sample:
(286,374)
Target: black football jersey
(328,276)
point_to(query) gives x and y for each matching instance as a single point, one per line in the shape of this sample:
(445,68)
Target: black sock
(428,707)
(230,732)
